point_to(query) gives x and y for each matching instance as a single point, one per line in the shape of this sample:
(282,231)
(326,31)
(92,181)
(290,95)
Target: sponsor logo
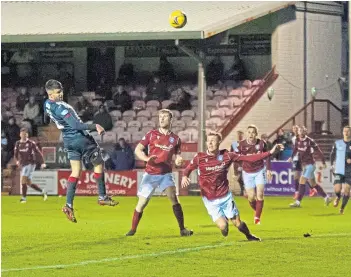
(220,158)
(171,139)
(257,147)
(164,147)
(215,168)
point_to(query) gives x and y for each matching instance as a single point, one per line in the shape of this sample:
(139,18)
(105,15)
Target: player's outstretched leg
(24,190)
(71,190)
(37,188)
(222,224)
(345,198)
(251,197)
(137,215)
(296,194)
(242,227)
(178,211)
(104,200)
(320,191)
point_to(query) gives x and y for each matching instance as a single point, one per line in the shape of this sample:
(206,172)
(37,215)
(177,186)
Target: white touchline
(163,253)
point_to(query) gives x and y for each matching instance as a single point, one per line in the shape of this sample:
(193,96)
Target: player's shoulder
(242,142)
(32,142)
(310,139)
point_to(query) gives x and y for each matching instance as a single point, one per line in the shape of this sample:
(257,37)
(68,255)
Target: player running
(305,147)
(212,168)
(341,155)
(297,166)
(80,145)
(162,145)
(254,173)
(26,154)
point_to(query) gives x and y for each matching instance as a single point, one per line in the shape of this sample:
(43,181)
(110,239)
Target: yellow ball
(177,19)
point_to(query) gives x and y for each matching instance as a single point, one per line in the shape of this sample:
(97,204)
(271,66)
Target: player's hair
(218,135)
(240,132)
(23,129)
(166,111)
(53,84)
(347,126)
(252,126)
(303,127)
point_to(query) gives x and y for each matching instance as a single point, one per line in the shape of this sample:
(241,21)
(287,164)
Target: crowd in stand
(110,97)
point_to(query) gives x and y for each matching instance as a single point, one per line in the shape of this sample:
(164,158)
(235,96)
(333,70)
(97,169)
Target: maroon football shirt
(27,152)
(246,148)
(213,170)
(305,147)
(164,147)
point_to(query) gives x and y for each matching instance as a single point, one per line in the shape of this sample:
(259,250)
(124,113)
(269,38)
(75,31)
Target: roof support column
(201,147)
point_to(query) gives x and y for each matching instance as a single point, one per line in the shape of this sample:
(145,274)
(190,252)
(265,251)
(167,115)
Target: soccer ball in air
(177,19)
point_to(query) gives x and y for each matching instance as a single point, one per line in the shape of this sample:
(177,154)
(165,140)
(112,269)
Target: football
(177,19)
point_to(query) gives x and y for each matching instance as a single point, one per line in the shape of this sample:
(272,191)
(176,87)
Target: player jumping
(212,168)
(254,173)
(80,145)
(162,144)
(341,155)
(305,147)
(26,154)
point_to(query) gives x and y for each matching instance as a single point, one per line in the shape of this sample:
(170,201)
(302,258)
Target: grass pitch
(38,240)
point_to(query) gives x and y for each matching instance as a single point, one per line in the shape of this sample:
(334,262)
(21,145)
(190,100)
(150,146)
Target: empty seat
(116,115)
(258,83)
(194,103)
(134,126)
(218,98)
(137,136)
(247,84)
(126,135)
(210,104)
(237,101)
(176,130)
(96,136)
(120,124)
(220,93)
(176,114)
(225,103)
(117,130)
(166,103)
(218,113)
(178,124)
(194,135)
(109,137)
(139,105)
(209,94)
(249,92)
(236,93)
(128,115)
(193,123)
(153,103)
(149,123)
(184,136)
(147,129)
(136,95)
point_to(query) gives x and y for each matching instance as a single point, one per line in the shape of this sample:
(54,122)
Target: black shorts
(77,147)
(342,179)
(297,166)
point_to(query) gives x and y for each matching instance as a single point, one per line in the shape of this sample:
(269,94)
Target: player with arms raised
(80,145)
(254,173)
(162,144)
(341,155)
(26,154)
(212,168)
(305,147)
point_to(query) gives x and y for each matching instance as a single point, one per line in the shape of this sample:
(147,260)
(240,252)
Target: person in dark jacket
(12,133)
(122,99)
(103,118)
(281,139)
(183,102)
(122,156)
(22,99)
(156,90)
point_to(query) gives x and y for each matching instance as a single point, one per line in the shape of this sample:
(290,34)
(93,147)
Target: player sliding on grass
(80,145)
(212,168)
(305,147)
(254,173)
(341,155)
(26,153)
(162,144)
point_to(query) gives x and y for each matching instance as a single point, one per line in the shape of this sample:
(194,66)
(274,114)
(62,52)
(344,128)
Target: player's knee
(251,197)
(24,180)
(236,221)
(142,203)
(222,225)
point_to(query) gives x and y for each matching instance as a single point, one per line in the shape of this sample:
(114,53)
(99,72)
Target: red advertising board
(117,183)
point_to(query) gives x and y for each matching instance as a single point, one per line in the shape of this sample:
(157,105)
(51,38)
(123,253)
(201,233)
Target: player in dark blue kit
(78,142)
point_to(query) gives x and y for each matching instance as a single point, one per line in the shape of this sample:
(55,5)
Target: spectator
(31,114)
(22,99)
(122,156)
(156,90)
(215,71)
(281,139)
(103,89)
(126,73)
(84,109)
(66,78)
(4,149)
(182,102)
(238,166)
(103,118)
(12,132)
(166,69)
(122,99)
(264,137)
(237,71)
(22,60)
(40,99)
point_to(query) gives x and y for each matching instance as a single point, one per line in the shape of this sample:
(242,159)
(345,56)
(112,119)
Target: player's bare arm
(140,154)
(179,160)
